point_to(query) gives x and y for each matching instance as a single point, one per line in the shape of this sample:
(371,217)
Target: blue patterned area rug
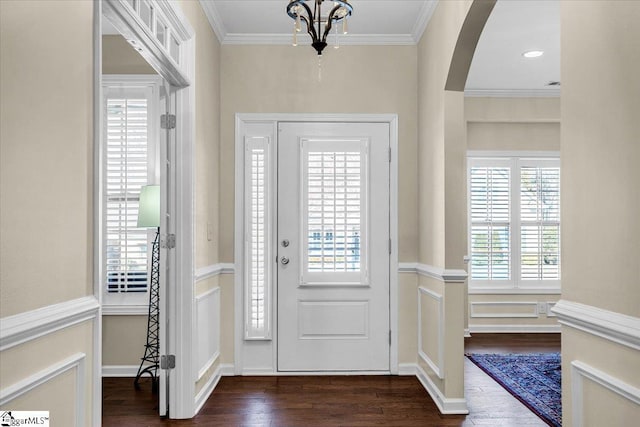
(534,379)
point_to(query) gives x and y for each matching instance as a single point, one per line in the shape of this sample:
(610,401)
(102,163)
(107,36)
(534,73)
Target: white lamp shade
(149,207)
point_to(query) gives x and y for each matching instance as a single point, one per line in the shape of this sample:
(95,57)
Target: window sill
(514,291)
(125,310)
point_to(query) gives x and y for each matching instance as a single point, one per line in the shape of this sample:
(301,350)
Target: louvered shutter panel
(127,139)
(490,196)
(539,223)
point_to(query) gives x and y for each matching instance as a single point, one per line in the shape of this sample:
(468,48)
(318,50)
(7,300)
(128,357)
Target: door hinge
(168,121)
(389,154)
(168,361)
(389,246)
(389,336)
(168,241)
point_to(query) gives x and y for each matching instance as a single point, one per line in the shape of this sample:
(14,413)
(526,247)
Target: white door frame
(265,364)
(182,76)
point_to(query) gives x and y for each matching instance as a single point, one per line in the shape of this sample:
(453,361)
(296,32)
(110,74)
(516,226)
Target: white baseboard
(505,329)
(207,389)
(407,369)
(126,371)
(227,369)
(467,333)
(447,406)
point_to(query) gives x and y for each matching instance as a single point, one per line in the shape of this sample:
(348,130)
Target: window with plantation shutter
(514,222)
(258,273)
(129,157)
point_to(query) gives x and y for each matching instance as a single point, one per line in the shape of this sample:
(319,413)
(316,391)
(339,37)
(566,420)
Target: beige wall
(46,153)
(435,52)
(46,205)
(119,57)
(600,153)
(207,137)
(355,79)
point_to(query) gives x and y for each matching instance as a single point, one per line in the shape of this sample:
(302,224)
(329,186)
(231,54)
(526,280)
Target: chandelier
(318,26)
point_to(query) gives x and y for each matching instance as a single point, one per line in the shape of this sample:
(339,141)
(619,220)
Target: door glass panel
(335,210)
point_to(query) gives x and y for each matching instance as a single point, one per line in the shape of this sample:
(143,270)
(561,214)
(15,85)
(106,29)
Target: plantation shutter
(258,274)
(127,169)
(539,222)
(490,228)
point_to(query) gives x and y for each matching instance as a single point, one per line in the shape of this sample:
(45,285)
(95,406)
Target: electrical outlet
(542,308)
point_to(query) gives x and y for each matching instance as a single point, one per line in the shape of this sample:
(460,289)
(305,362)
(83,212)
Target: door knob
(284,260)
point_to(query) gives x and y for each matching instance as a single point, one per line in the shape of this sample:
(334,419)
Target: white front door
(333,247)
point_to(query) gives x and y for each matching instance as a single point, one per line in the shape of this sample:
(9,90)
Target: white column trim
(616,327)
(27,326)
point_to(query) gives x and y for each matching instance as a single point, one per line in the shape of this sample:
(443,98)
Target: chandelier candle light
(318,26)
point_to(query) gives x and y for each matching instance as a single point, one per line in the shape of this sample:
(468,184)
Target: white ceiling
(498,67)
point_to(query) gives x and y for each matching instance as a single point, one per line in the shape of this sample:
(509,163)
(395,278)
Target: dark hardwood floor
(339,400)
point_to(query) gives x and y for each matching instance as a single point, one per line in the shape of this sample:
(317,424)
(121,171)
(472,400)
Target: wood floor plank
(353,401)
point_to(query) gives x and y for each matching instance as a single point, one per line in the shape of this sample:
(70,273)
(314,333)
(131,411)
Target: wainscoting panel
(75,362)
(503,309)
(431,340)
(581,373)
(207,330)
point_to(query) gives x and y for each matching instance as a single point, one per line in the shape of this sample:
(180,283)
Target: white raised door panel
(333,247)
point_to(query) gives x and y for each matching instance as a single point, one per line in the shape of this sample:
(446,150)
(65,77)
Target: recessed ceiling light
(533,53)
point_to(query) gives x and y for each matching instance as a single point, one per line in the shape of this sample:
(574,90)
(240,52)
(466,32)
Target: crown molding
(512,93)
(426,12)
(214,19)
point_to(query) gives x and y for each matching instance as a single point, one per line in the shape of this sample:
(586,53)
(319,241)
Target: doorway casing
(181,294)
(263,353)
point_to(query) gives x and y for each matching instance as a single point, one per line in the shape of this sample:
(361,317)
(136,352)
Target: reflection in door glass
(334,208)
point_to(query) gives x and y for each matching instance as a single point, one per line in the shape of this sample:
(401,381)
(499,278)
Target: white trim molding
(77,362)
(438,273)
(616,327)
(446,406)
(120,371)
(204,393)
(214,270)
(27,326)
(533,314)
(513,93)
(125,310)
(580,371)
(436,366)
(511,329)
